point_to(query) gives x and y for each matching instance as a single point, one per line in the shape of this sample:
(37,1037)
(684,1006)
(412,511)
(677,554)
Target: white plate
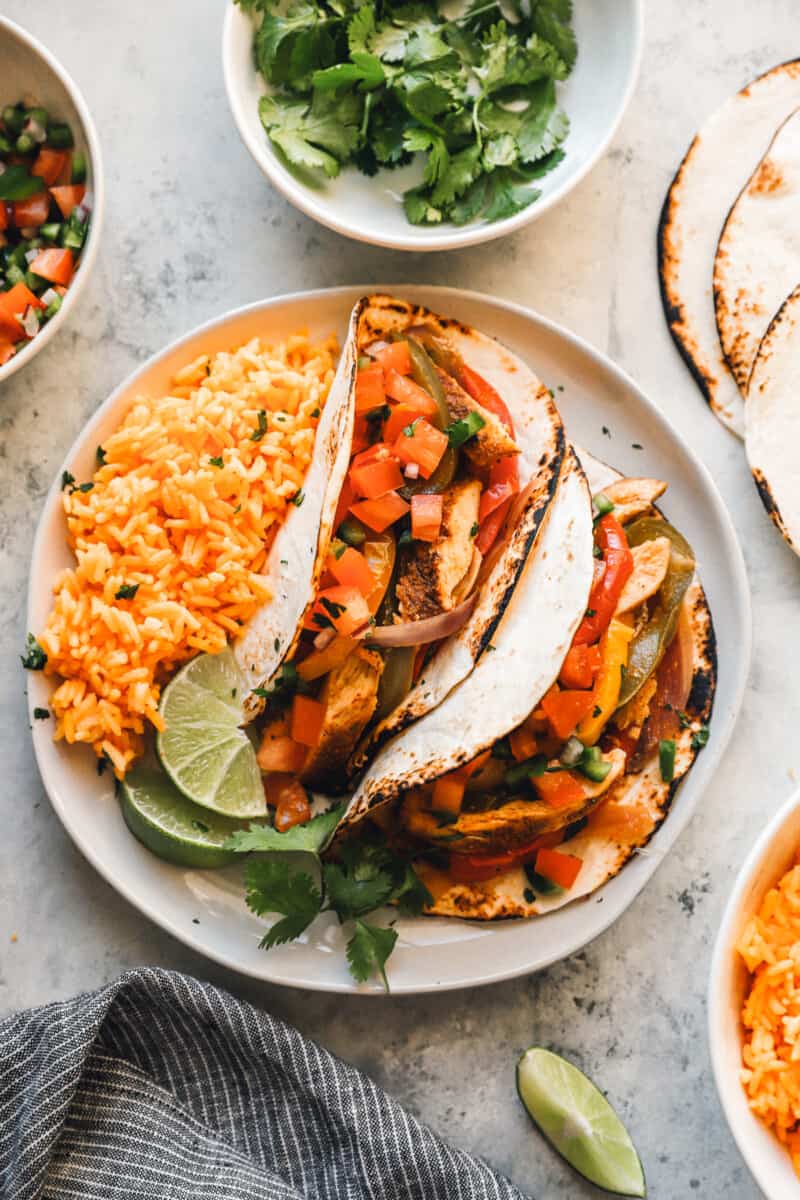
(26,66)
(772,855)
(595,96)
(432,954)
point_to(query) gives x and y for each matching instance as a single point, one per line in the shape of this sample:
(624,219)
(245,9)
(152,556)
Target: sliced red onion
(49,296)
(30,321)
(411,470)
(324,638)
(420,633)
(468,582)
(85,207)
(30,255)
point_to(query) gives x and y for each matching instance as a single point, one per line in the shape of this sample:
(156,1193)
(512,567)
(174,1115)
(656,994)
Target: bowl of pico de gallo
(51,196)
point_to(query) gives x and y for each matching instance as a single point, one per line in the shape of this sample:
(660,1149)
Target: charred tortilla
(538,433)
(716,167)
(631,811)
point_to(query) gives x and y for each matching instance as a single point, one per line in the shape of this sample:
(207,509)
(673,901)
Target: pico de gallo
(619,700)
(432,476)
(44,220)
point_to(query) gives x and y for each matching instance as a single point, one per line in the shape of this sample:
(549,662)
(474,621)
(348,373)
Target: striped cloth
(160,1086)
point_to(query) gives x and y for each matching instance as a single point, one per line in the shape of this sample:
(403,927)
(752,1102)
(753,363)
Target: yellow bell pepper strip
(605,693)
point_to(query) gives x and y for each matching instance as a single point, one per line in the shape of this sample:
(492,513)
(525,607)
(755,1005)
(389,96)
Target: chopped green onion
(60,137)
(700,738)
(17,183)
(525,770)
(40,115)
(78,167)
(13,118)
(593,765)
(126,591)
(259,432)
(666,759)
(461,431)
(24,144)
(352,532)
(602,504)
(53,307)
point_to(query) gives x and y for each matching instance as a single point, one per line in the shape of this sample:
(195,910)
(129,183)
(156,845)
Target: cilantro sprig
(374,84)
(364,876)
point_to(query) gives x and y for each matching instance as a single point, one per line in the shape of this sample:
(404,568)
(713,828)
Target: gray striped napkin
(160,1086)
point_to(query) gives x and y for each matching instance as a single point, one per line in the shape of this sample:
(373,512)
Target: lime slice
(203,749)
(579,1122)
(170,825)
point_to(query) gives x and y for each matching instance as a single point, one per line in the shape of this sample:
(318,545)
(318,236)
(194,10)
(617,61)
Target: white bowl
(772,855)
(27,66)
(609,34)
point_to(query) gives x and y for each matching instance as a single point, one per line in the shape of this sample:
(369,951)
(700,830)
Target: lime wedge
(579,1122)
(204,750)
(170,825)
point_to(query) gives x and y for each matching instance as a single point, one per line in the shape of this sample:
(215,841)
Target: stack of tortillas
(729,259)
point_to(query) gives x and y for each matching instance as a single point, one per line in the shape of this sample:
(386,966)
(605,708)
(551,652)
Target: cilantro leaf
(312,837)
(34,658)
(361,29)
(364,69)
(321,135)
(272,887)
(551,21)
(412,896)
(368,950)
(459,432)
(359,883)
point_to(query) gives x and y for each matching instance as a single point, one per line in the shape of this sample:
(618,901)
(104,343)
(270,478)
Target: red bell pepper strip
(606,590)
(581,667)
(472,868)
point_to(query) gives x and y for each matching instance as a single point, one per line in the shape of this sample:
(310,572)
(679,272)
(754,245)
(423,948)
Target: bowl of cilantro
(428,126)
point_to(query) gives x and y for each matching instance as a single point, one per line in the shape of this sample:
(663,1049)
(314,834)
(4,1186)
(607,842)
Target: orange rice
(190,535)
(770,947)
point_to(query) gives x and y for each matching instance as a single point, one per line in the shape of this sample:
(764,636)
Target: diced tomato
(374,479)
(380,514)
(307,718)
(362,435)
(472,868)
(581,667)
(405,391)
(523,743)
(424,445)
(6,351)
(49,165)
(346,498)
(401,416)
(395,357)
(448,793)
(426,517)
(12,305)
(31,212)
(4,215)
(278,751)
(293,807)
(370,392)
(566,709)
(352,570)
(68,197)
(341,608)
(55,265)
(561,869)
(559,789)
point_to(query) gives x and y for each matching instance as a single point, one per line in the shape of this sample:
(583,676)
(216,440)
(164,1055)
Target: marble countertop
(182,244)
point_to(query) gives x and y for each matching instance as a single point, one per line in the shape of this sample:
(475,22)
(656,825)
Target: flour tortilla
(773,420)
(758,256)
(539,434)
(529,645)
(646,797)
(717,166)
(300,549)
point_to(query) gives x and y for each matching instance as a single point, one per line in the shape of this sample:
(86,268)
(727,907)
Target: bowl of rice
(754,1007)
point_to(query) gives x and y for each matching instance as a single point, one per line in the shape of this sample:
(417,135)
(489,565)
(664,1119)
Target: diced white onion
(411,470)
